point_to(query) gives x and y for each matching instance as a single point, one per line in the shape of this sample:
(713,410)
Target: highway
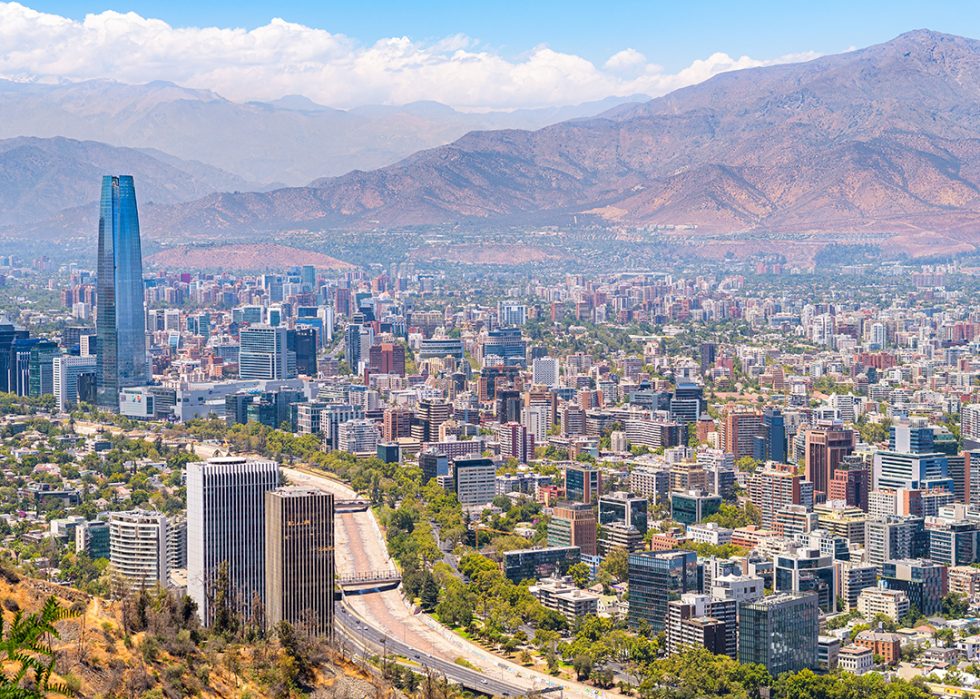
(360,548)
(363,635)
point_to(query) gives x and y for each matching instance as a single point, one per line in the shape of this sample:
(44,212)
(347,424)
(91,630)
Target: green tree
(617,564)
(27,655)
(580,574)
(955,606)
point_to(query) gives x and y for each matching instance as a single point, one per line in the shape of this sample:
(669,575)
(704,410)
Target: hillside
(291,140)
(880,140)
(105,652)
(40,177)
(253,257)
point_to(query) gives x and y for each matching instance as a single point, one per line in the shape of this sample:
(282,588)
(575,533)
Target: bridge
(352,505)
(375,578)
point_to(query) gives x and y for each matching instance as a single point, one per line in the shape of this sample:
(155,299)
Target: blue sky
(472,55)
(671,34)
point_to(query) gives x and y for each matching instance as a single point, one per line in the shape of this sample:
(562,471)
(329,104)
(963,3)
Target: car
(416,655)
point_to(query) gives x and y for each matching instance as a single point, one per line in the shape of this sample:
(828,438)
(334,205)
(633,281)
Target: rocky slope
(884,139)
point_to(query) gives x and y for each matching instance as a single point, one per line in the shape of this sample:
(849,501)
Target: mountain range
(884,141)
(290,141)
(880,140)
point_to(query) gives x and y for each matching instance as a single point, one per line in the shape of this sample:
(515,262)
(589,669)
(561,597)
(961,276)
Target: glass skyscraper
(120,320)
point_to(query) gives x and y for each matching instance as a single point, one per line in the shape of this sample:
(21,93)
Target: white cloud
(283,58)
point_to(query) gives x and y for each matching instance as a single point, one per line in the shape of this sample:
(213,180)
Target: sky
(471,54)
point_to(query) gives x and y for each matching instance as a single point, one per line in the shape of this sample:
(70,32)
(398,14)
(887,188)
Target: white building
(877,600)
(855,659)
(741,588)
(537,419)
(476,480)
(511,313)
(138,547)
(358,437)
(709,533)
(226,524)
(65,371)
(546,371)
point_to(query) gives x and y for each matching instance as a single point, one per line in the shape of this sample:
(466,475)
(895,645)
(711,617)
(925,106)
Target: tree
(24,648)
(430,594)
(582,665)
(617,564)
(580,574)
(955,606)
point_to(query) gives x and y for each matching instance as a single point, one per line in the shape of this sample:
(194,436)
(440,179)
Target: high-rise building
(895,538)
(773,435)
(305,347)
(433,464)
(692,506)
(573,524)
(41,368)
(358,437)
(516,441)
(780,631)
(655,578)
(299,559)
(738,432)
(583,482)
(429,416)
(120,319)
(923,581)
(851,483)
(808,571)
(772,490)
(265,354)
(387,358)
(226,525)
(687,404)
(65,371)
(9,332)
(546,371)
(138,548)
(707,356)
(826,447)
(475,478)
(699,620)
(621,506)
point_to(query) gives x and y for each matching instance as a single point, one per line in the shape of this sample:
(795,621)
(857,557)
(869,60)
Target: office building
(621,506)
(687,403)
(651,483)
(692,506)
(655,578)
(65,372)
(851,484)
(780,632)
(303,341)
(888,646)
(532,564)
(855,659)
(387,358)
(923,582)
(43,354)
(511,313)
(698,620)
(428,417)
(546,371)
(562,596)
(808,571)
(583,482)
(299,559)
(265,354)
(9,333)
(955,543)
(573,524)
(911,471)
(826,446)
(773,436)
(433,463)
(138,548)
(226,525)
(475,480)
(508,344)
(120,319)
(93,538)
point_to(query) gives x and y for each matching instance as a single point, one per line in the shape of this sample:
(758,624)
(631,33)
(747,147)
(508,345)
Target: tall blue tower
(120,320)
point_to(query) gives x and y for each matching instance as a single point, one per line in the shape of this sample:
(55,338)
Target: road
(363,635)
(360,548)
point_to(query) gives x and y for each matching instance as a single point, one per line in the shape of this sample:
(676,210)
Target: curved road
(360,548)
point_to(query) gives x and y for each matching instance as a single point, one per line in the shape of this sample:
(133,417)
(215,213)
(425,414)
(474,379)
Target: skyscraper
(9,332)
(120,320)
(299,558)
(226,524)
(826,446)
(265,354)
